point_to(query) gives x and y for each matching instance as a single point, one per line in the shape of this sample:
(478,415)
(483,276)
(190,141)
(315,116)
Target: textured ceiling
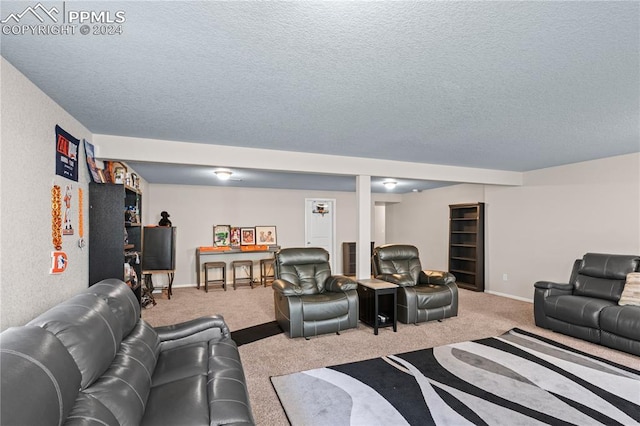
(499,85)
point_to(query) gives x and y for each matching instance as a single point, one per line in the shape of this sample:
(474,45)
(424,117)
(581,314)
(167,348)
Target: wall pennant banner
(66,154)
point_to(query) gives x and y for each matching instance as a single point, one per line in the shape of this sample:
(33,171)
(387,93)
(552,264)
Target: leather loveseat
(587,306)
(309,300)
(92,360)
(422,295)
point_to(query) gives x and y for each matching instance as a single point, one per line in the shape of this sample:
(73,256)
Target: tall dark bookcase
(115,232)
(349,257)
(466,245)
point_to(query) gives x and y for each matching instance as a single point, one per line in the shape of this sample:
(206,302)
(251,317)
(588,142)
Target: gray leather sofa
(308,299)
(92,360)
(587,306)
(422,295)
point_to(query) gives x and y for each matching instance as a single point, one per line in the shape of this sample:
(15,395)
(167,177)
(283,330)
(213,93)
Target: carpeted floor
(481,315)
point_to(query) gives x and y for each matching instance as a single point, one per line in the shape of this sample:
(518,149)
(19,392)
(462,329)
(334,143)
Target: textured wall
(29,118)
(195,209)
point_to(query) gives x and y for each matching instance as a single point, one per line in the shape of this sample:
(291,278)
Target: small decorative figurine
(165,219)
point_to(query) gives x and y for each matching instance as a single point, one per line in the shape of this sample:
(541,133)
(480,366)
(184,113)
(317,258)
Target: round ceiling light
(223,174)
(389,184)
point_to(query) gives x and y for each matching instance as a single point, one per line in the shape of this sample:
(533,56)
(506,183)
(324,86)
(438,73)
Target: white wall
(27,163)
(422,219)
(195,209)
(535,231)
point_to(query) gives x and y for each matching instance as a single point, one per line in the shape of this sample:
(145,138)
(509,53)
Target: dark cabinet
(466,245)
(349,257)
(159,248)
(115,233)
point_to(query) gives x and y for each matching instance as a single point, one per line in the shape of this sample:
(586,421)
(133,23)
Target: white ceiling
(499,85)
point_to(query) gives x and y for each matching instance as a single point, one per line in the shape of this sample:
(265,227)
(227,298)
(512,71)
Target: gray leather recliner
(587,306)
(308,299)
(422,295)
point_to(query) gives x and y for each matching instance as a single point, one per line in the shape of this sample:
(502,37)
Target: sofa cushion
(324,306)
(40,380)
(121,300)
(622,321)
(631,292)
(89,330)
(577,310)
(88,410)
(228,402)
(181,362)
(608,266)
(602,275)
(181,402)
(432,296)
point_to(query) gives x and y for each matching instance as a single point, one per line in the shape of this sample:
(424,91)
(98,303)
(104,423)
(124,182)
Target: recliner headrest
(397,252)
(302,256)
(609,266)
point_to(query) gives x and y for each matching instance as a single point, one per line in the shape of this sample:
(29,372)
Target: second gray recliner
(422,295)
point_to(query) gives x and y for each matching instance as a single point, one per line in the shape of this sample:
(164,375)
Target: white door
(320,226)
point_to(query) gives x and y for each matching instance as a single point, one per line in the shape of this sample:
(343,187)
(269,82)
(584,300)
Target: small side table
(377,301)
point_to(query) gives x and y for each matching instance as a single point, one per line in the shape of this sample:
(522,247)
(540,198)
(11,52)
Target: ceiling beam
(108,147)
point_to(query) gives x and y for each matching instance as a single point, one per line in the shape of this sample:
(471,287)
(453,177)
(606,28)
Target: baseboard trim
(510,296)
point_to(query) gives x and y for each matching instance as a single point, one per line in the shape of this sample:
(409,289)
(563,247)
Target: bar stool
(242,280)
(267,271)
(207,281)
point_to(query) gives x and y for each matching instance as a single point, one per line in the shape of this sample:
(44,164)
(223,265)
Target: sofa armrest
(286,288)
(436,277)
(197,330)
(402,280)
(556,288)
(340,283)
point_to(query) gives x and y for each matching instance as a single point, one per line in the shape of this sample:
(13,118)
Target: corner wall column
(363,242)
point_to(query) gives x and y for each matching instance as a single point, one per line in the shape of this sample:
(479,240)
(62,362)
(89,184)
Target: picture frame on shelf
(221,235)
(266,235)
(248,236)
(235,236)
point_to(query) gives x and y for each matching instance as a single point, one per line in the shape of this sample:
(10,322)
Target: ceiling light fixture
(223,174)
(389,184)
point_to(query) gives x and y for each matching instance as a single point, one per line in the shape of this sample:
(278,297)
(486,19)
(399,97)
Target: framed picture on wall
(221,235)
(235,236)
(248,236)
(266,235)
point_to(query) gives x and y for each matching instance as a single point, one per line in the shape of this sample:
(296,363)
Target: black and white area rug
(518,378)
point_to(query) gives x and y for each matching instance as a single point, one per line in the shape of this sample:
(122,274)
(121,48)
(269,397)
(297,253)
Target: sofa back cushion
(89,330)
(307,268)
(40,379)
(121,300)
(124,387)
(603,275)
(400,259)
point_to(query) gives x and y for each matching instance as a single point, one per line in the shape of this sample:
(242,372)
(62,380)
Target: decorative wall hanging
(56,218)
(67,228)
(58,257)
(96,173)
(81,242)
(59,262)
(320,208)
(66,154)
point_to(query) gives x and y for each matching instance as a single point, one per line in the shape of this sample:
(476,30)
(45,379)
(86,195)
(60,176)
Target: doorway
(320,227)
